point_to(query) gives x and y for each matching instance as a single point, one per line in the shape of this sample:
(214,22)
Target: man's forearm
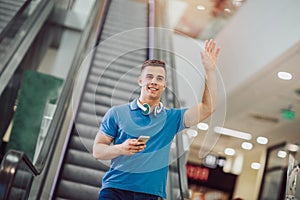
(207,106)
(209,98)
(106,152)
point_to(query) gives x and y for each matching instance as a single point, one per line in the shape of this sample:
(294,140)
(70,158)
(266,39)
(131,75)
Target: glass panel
(277,158)
(40,77)
(272,185)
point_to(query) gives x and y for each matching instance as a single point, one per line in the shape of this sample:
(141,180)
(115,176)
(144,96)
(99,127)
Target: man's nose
(153,81)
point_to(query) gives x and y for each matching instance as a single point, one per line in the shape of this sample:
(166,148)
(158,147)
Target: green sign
(288,114)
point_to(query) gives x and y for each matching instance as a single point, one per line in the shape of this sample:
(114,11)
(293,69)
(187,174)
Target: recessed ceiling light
(229,151)
(192,133)
(227,10)
(292,147)
(202,126)
(237,3)
(255,165)
(233,133)
(262,140)
(281,154)
(247,145)
(200,7)
(284,75)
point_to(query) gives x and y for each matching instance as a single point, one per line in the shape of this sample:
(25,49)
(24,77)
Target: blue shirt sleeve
(109,125)
(181,125)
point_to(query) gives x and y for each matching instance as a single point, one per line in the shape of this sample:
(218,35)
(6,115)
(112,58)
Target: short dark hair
(154,62)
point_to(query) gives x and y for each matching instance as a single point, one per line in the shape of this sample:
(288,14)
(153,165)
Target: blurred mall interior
(64,63)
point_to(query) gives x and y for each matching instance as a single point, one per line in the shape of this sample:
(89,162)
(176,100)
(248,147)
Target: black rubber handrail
(9,168)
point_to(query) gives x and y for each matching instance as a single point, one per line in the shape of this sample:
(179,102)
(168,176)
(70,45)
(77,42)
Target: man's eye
(149,77)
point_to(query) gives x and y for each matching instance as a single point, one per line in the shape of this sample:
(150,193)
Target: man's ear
(165,85)
(140,81)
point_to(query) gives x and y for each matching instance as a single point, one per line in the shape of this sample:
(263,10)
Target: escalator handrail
(9,168)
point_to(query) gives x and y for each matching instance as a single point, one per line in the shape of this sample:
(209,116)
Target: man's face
(153,82)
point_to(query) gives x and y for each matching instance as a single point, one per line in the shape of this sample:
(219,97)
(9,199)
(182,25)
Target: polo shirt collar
(133,105)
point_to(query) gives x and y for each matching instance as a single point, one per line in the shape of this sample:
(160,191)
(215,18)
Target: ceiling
(254,106)
(203,19)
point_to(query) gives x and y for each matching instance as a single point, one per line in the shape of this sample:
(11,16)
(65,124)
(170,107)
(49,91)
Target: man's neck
(151,103)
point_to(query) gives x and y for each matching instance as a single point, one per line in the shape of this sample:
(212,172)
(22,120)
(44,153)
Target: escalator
(9,11)
(12,15)
(112,80)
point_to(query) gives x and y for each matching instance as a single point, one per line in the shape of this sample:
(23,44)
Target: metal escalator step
(123,38)
(85,160)
(104,100)
(118,49)
(115,91)
(15,3)
(122,65)
(128,25)
(117,76)
(80,141)
(97,70)
(89,119)
(130,37)
(87,134)
(17,193)
(76,191)
(112,91)
(97,98)
(88,107)
(9,7)
(126,39)
(96,79)
(83,175)
(110,56)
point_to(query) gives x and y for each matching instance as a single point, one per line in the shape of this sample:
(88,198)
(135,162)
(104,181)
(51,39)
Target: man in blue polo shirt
(138,169)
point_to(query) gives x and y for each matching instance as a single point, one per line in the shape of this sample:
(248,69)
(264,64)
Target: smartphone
(144,138)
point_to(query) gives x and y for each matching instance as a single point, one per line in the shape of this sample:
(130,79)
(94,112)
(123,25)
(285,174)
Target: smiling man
(138,170)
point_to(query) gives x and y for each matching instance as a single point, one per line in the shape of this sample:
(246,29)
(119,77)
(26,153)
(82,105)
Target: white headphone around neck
(146,108)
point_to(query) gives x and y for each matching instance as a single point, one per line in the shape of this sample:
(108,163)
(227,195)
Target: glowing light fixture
(227,10)
(284,75)
(233,133)
(192,133)
(292,147)
(229,151)
(200,7)
(247,145)
(262,140)
(202,126)
(255,165)
(281,154)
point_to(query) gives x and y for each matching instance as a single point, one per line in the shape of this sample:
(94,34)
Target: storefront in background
(209,183)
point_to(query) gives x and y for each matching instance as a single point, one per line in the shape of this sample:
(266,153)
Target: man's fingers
(217,51)
(206,45)
(213,45)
